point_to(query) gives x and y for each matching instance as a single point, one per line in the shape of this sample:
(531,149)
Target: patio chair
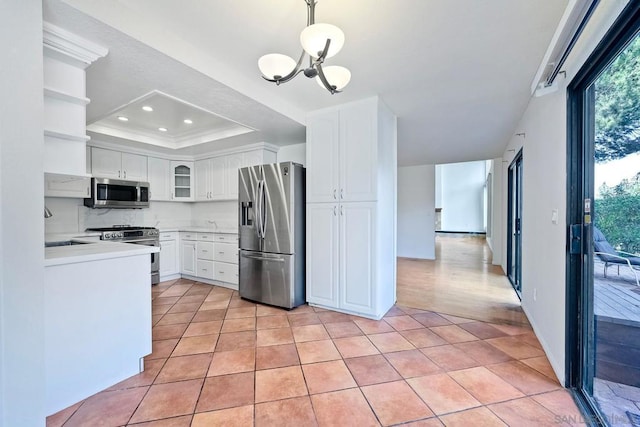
(610,256)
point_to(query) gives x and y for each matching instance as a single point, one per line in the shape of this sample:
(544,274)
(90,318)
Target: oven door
(155,257)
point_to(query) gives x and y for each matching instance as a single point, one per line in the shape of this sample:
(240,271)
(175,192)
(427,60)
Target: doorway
(603,210)
(514,224)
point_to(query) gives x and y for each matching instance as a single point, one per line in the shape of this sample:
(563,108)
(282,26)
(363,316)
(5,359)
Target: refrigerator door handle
(258,213)
(263,258)
(263,220)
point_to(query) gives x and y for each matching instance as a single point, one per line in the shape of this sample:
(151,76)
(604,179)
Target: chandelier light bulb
(314,38)
(336,76)
(276,64)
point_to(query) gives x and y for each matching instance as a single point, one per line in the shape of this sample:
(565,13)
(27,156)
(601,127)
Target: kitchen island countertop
(93,251)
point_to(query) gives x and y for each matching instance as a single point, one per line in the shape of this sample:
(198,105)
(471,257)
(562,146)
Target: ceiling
(457,73)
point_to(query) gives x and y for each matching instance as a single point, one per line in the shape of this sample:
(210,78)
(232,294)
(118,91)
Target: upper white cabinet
(342,149)
(217,178)
(118,165)
(351,208)
(159,178)
(182,181)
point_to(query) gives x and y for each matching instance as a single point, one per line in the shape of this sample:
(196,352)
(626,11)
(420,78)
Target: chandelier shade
(319,42)
(276,65)
(337,75)
(314,38)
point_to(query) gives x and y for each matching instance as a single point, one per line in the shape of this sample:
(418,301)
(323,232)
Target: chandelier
(319,41)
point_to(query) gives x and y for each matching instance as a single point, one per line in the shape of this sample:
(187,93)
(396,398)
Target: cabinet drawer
(226,237)
(205,269)
(169,235)
(189,236)
(226,272)
(205,250)
(225,252)
(207,237)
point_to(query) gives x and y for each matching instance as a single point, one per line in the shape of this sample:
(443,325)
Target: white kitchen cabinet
(169,259)
(211,179)
(201,174)
(323,248)
(188,257)
(341,251)
(351,208)
(342,154)
(118,165)
(182,181)
(234,162)
(159,178)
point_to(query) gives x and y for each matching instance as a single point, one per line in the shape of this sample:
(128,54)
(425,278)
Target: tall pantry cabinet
(351,208)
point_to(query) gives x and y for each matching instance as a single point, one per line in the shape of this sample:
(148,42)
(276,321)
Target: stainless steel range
(148,236)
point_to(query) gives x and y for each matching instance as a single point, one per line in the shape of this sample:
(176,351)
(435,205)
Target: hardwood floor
(461,282)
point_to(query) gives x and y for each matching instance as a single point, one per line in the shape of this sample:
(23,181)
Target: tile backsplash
(70,215)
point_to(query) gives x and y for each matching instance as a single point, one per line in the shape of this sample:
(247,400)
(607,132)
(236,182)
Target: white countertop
(94,251)
(201,230)
(63,237)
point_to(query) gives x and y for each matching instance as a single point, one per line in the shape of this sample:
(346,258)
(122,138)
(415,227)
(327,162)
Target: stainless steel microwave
(119,194)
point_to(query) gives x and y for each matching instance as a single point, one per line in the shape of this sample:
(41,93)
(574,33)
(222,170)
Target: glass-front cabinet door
(182,182)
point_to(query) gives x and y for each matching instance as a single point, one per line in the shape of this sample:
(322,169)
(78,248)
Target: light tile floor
(220,360)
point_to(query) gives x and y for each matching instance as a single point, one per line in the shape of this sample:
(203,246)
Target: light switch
(554,216)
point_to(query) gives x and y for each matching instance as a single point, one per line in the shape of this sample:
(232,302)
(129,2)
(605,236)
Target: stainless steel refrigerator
(271,209)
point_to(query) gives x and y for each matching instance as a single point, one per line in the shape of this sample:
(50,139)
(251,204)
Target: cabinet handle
(334,194)
(334,211)
(172,195)
(204,250)
(125,174)
(220,272)
(342,193)
(341,209)
(118,174)
(221,253)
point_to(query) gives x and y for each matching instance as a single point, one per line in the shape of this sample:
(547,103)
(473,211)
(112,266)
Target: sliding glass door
(603,264)
(514,224)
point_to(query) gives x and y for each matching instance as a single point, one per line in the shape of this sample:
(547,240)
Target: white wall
(293,153)
(21,216)
(462,196)
(438,186)
(497,210)
(544,168)
(416,212)
(70,215)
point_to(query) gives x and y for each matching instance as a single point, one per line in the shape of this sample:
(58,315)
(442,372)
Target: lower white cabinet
(169,255)
(187,256)
(342,252)
(209,256)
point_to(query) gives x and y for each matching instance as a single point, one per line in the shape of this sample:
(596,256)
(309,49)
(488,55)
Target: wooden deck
(617,297)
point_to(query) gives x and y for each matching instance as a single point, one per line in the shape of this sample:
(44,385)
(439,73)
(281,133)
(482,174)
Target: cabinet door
(168,257)
(322,254)
(252,158)
(134,167)
(357,255)
(322,157)
(106,163)
(182,181)
(159,178)
(234,162)
(218,178)
(358,153)
(187,258)
(201,173)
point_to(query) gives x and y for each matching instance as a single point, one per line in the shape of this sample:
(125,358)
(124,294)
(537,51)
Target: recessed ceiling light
(123,119)
(162,129)
(147,108)
(188,121)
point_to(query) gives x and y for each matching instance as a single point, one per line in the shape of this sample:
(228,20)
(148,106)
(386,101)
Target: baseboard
(473,233)
(558,368)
